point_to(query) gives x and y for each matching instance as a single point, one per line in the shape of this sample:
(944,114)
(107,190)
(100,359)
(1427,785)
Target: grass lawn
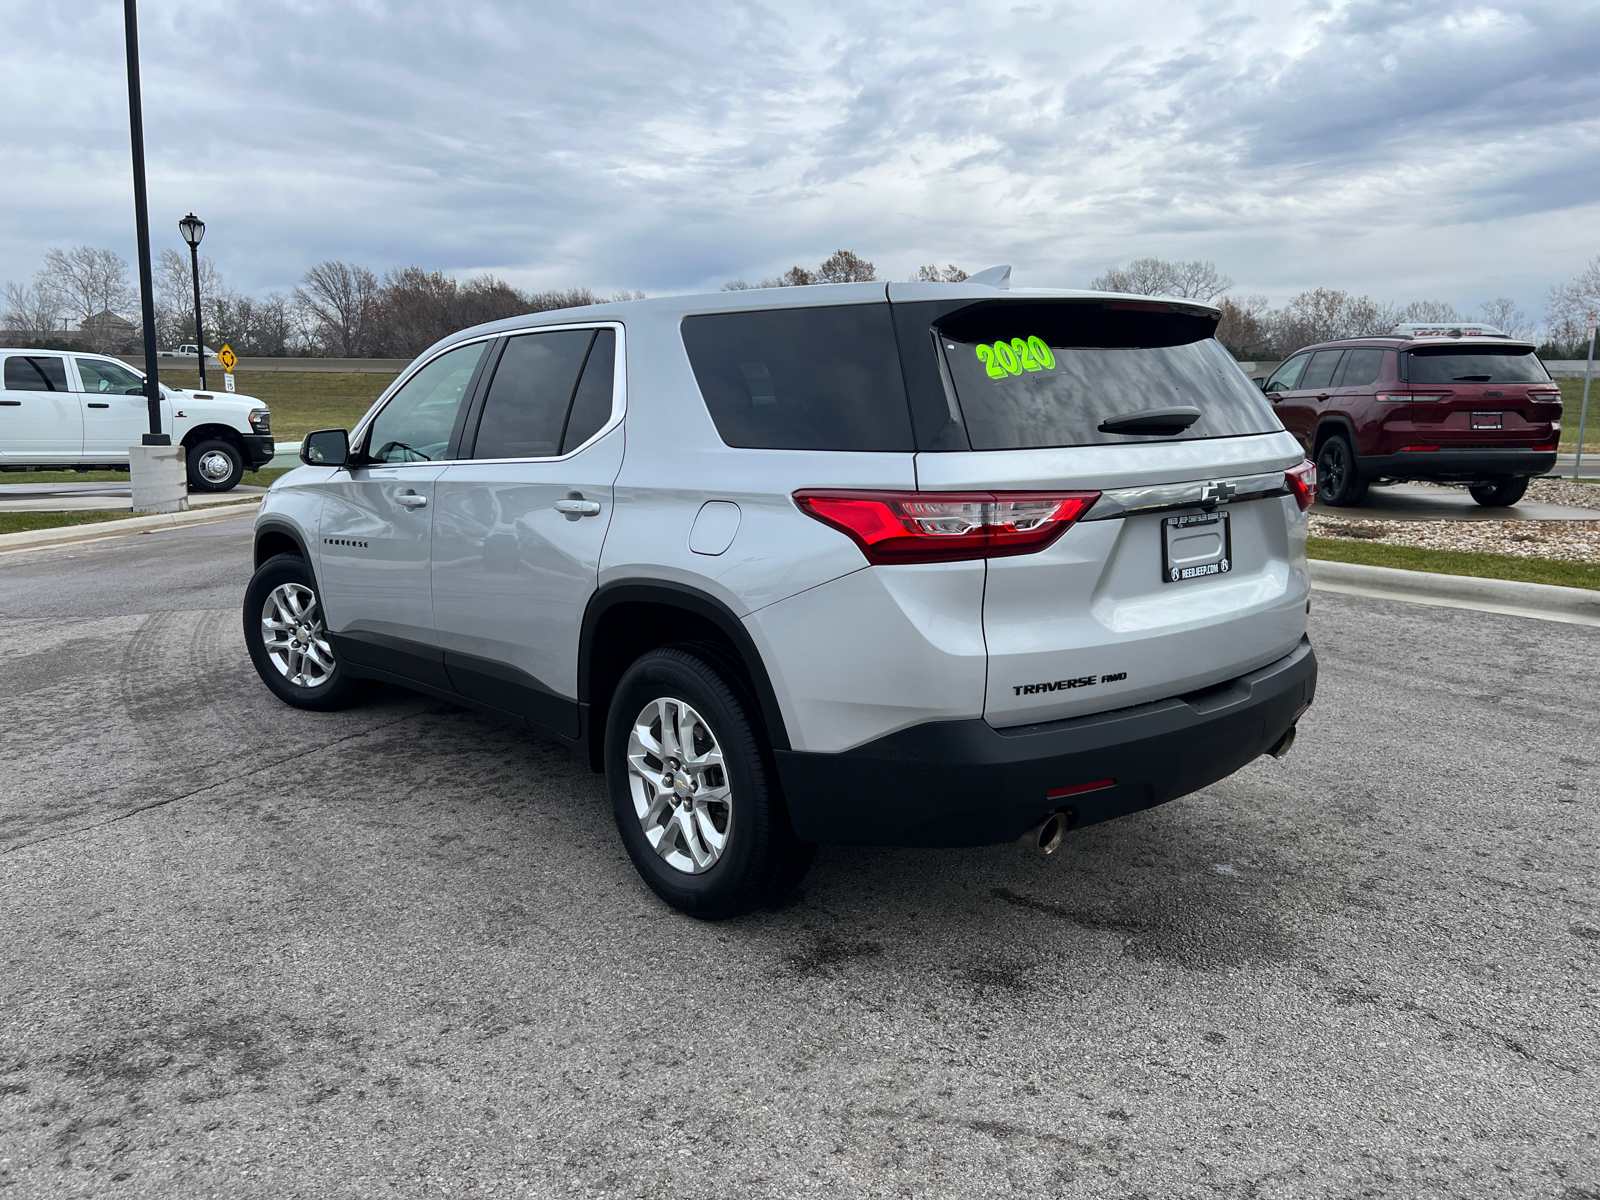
(1457,562)
(262,478)
(21,522)
(300,400)
(1571,406)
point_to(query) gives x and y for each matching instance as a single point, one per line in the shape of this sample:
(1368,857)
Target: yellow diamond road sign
(228,358)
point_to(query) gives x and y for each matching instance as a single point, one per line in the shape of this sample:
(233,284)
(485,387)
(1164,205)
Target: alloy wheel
(679,785)
(292,632)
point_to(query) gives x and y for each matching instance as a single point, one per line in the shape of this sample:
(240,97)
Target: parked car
(1441,403)
(83,411)
(188,350)
(924,564)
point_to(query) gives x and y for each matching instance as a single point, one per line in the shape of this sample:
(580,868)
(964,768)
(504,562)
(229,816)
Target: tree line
(79,298)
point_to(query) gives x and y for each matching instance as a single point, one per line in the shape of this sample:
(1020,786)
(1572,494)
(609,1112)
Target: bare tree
(845,266)
(1325,314)
(174,280)
(932,274)
(33,312)
(1196,280)
(1244,327)
(1569,309)
(796,276)
(1429,310)
(737,285)
(559,298)
(1503,313)
(89,281)
(335,298)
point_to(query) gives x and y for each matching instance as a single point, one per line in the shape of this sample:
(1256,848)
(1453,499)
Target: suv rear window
(802,378)
(1032,374)
(1476,364)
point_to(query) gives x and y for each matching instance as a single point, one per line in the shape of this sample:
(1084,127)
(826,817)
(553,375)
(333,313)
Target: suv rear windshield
(1036,374)
(1474,364)
(802,378)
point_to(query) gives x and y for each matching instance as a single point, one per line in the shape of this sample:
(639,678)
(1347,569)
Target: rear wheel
(214,465)
(1500,493)
(692,787)
(1339,482)
(288,642)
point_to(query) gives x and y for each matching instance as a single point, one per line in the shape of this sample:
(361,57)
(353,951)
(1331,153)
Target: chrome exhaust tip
(1284,744)
(1047,834)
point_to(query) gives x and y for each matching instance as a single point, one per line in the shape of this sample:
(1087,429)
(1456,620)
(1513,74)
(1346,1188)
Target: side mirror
(326,448)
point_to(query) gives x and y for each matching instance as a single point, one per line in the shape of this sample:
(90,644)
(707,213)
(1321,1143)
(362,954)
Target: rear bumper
(965,783)
(1463,464)
(259,449)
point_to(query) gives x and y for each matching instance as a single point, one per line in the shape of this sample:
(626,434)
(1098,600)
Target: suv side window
(35,374)
(591,407)
(1361,367)
(802,378)
(1319,372)
(416,424)
(101,376)
(1286,376)
(531,393)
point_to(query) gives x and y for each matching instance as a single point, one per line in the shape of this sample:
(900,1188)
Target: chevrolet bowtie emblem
(1217,493)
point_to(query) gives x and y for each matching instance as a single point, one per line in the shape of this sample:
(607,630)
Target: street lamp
(193,229)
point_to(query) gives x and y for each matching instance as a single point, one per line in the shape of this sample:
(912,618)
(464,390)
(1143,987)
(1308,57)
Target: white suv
(915,564)
(82,411)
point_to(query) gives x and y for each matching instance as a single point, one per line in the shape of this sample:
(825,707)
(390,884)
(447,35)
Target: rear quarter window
(802,378)
(1033,375)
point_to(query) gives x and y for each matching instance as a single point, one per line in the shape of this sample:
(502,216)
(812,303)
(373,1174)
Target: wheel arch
(210,430)
(278,537)
(1329,426)
(628,618)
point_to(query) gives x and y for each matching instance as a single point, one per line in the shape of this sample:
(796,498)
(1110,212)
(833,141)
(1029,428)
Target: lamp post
(193,229)
(152,386)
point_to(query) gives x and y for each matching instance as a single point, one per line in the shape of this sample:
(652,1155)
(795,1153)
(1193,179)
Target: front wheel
(1499,493)
(692,788)
(288,642)
(1339,482)
(214,466)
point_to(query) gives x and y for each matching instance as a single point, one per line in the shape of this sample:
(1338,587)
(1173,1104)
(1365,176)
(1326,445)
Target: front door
(377,518)
(39,418)
(1300,407)
(115,412)
(518,529)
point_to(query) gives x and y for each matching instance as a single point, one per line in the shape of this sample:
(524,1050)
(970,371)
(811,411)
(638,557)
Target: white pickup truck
(82,411)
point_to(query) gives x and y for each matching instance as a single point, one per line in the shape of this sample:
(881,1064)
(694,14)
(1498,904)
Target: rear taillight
(912,527)
(1302,481)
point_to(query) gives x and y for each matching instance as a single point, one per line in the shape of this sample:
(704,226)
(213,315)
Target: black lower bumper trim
(259,448)
(1470,465)
(965,783)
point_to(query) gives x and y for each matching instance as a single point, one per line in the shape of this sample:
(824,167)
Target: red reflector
(1302,481)
(1299,711)
(1404,448)
(911,527)
(1551,446)
(1077,789)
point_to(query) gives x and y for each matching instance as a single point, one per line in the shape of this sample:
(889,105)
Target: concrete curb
(34,539)
(1575,606)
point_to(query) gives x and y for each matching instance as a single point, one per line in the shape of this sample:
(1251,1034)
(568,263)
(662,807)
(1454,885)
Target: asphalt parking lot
(399,951)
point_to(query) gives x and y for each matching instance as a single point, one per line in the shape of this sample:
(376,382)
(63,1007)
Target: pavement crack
(266,766)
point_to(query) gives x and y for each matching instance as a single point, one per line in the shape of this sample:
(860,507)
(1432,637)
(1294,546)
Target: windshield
(1037,374)
(1475,364)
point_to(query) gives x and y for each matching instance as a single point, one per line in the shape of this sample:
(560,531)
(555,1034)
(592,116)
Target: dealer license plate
(1194,545)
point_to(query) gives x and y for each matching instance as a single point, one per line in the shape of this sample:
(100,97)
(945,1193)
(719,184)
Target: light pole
(193,229)
(141,216)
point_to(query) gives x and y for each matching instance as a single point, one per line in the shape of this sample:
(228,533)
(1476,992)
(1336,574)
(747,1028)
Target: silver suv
(904,564)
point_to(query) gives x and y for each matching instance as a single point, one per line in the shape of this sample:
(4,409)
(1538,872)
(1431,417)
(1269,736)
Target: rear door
(1100,619)
(520,522)
(39,418)
(1354,389)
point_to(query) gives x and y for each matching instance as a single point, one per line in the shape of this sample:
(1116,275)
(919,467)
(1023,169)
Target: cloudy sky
(1405,149)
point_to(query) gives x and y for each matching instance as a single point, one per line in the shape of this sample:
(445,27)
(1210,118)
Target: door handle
(97,404)
(411,500)
(575,506)
(1324,395)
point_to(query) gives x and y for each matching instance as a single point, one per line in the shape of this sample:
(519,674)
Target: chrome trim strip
(1124,502)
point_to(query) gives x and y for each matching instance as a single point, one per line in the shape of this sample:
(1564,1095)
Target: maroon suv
(1443,403)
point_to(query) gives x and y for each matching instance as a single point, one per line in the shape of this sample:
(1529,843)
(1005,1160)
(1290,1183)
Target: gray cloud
(1399,148)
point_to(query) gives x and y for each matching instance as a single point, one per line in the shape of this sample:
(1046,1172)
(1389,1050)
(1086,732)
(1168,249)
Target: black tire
(762,860)
(1339,480)
(1500,493)
(338,689)
(204,460)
